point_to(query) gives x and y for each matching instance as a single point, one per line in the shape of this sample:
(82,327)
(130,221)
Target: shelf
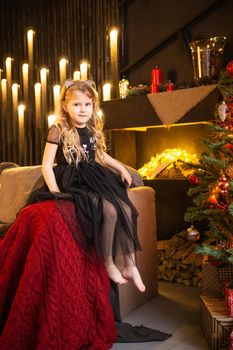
(137,112)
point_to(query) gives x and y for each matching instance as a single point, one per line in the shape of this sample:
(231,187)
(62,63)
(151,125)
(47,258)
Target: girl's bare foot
(132,273)
(114,274)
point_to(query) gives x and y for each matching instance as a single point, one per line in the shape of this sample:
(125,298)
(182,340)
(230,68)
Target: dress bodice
(87,141)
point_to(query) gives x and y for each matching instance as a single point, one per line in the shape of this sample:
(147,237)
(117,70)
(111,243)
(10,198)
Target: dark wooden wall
(75,29)
(157,32)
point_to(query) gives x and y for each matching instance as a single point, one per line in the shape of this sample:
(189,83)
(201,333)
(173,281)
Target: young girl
(83,174)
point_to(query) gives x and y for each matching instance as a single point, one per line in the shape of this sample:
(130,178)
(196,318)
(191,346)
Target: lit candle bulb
(77,75)
(4,90)
(25,69)
(83,70)
(43,80)
(9,71)
(56,95)
(62,69)
(15,98)
(15,88)
(21,109)
(106,92)
(37,102)
(51,119)
(113,44)
(3,112)
(30,34)
(114,60)
(37,88)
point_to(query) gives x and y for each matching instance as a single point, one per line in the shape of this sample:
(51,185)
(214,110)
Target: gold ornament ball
(193,234)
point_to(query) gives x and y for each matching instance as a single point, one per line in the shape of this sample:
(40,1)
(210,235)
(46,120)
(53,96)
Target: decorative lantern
(123,87)
(207,58)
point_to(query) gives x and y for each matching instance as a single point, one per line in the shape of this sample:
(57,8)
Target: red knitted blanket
(52,294)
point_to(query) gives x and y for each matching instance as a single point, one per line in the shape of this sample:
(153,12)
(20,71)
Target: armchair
(16,183)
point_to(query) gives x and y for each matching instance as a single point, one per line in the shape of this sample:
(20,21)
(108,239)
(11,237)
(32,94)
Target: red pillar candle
(169,86)
(156,76)
(154,88)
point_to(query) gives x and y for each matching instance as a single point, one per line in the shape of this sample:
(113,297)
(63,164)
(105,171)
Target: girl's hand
(119,168)
(61,195)
(126,177)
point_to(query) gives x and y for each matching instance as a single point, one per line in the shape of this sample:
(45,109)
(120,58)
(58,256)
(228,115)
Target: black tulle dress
(107,218)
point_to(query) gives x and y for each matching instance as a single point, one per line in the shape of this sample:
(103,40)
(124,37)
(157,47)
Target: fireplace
(135,133)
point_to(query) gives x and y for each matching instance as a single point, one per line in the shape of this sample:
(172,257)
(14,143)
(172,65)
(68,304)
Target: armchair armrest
(143,199)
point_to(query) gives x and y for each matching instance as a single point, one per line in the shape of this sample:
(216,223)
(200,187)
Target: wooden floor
(175,310)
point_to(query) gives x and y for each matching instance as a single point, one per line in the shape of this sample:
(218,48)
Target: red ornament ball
(228,146)
(194,180)
(229,68)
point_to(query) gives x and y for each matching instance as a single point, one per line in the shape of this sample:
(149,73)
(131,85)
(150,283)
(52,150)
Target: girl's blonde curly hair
(72,148)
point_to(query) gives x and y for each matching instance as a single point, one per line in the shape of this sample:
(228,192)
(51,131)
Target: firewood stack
(178,261)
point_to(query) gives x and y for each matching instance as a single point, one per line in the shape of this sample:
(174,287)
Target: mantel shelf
(137,112)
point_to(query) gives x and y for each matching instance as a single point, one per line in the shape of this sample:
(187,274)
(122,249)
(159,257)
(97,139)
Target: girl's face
(79,107)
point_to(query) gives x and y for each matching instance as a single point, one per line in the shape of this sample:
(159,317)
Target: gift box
(231,341)
(225,272)
(211,283)
(229,301)
(215,324)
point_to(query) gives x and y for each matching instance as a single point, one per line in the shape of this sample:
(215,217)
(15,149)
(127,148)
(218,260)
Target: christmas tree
(212,179)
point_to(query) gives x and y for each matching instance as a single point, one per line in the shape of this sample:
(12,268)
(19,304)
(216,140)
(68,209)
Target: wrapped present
(225,272)
(229,301)
(211,284)
(231,341)
(215,324)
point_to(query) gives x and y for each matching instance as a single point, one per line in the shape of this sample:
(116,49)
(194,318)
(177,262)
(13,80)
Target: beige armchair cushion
(16,183)
(15,186)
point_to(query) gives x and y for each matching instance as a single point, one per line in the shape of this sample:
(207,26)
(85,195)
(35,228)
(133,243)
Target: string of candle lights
(26,106)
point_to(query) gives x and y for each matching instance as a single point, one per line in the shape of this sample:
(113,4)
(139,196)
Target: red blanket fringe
(52,294)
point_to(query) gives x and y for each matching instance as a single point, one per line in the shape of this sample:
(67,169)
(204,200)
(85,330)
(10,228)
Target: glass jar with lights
(123,87)
(207,58)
